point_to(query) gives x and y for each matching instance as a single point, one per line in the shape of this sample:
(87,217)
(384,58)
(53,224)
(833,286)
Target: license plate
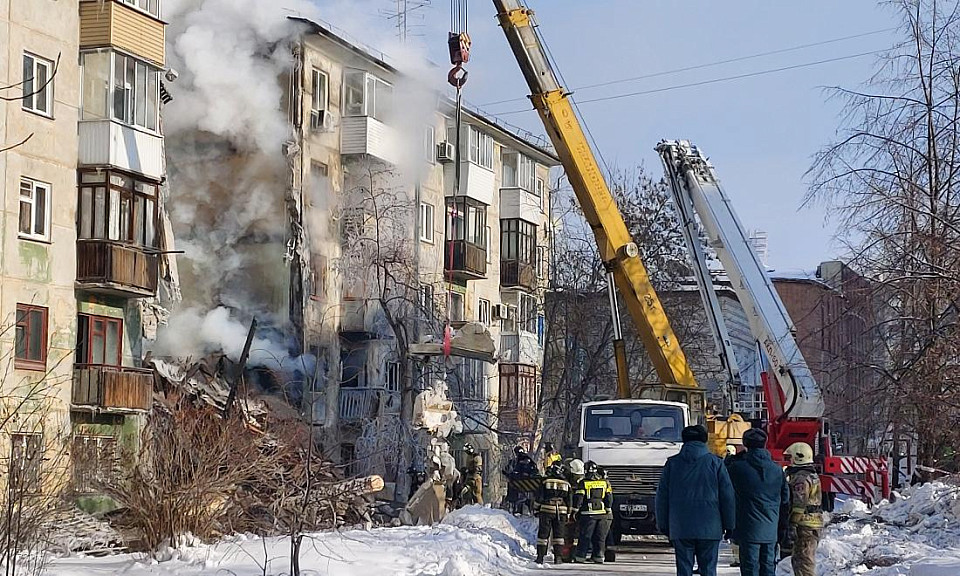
(633,507)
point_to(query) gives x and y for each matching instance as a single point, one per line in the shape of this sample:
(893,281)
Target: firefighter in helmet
(472,477)
(552,508)
(806,512)
(592,498)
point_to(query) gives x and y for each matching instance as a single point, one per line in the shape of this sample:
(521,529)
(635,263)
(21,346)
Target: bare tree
(892,180)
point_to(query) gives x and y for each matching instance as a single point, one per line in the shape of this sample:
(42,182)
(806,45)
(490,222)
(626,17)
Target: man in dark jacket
(695,503)
(763,497)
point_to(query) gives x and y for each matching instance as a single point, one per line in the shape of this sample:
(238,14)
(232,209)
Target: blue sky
(760,132)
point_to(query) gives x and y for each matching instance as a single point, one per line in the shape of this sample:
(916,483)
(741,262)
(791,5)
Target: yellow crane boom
(617,249)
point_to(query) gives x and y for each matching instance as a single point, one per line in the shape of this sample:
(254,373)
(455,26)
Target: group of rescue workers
(765,511)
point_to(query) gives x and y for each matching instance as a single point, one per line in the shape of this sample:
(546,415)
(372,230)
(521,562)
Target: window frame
(427,233)
(518,241)
(318,277)
(457,306)
(136,5)
(483,311)
(117,188)
(430,144)
(524,171)
(130,96)
(21,363)
(392,374)
(315,101)
(96,458)
(33,92)
(47,203)
(467,221)
(480,147)
(87,340)
(368,99)
(32,453)
(528,311)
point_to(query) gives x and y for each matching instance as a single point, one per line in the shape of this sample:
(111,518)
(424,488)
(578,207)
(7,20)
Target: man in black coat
(763,498)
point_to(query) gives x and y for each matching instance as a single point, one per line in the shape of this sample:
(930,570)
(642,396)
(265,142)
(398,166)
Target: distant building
(759,241)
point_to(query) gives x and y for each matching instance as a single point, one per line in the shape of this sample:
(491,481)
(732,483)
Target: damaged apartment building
(82,175)
(378,252)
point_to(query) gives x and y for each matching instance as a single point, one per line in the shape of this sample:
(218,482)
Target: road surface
(646,559)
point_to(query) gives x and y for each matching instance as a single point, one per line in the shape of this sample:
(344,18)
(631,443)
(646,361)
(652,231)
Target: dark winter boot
(541,553)
(558,553)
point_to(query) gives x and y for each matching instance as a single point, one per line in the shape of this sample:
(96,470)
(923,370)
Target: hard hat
(555,470)
(519,450)
(576,467)
(591,469)
(469,449)
(799,453)
(731,450)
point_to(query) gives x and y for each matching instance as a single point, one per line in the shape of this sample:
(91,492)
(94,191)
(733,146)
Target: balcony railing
(111,267)
(469,260)
(520,420)
(115,387)
(358,404)
(517,274)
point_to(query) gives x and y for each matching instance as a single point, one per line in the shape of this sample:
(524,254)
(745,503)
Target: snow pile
(917,535)
(474,541)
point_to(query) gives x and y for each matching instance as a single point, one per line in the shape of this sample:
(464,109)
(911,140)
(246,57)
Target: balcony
(469,260)
(118,269)
(369,136)
(106,24)
(518,398)
(110,143)
(517,274)
(476,182)
(112,387)
(520,348)
(359,404)
(517,203)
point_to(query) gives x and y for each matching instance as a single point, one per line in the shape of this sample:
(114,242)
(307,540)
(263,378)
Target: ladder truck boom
(617,249)
(695,186)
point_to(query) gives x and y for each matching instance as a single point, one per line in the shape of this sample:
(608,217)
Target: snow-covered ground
(917,535)
(473,541)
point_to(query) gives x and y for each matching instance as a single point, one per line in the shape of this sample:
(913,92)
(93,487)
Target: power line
(711,64)
(711,81)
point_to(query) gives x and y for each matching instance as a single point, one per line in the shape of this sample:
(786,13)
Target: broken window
(37,84)
(353,367)
(393,377)
(114,206)
(34,210)
(30,338)
(99,340)
(94,462)
(318,276)
(26,453)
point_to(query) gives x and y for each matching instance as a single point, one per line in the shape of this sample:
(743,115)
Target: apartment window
(393,376)
(541,329)
(348,458)
(426,297)
(26,453)
(483,312)
(481,148)
(426,222)
(318,99)
(543,262)
(94,462)
(367,95)
(456,307)
(470,379)
(429,145)
(149,6)
(509,324)
(541,187)
(114,206)
(518,241)
(37,84)
(488,237)
(518,386)
(467,221)
(99,340)
(31,337)
(519,171)
(34,209)
(120,87)
(527,320)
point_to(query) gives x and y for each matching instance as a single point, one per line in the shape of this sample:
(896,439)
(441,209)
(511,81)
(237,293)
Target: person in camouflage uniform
(472,477)
(806,512)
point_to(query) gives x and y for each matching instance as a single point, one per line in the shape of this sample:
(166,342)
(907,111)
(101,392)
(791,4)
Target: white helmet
(799,453)
(576,467)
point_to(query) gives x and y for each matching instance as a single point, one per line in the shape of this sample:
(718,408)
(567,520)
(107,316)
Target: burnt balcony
(114,268)
(517,274)
(112,387)
(469,260)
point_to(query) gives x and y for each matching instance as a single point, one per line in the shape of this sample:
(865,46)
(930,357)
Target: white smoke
(225,132)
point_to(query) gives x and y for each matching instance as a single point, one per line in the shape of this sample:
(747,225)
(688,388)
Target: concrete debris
(471,340)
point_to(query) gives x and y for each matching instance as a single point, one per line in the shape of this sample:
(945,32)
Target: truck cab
(632,440)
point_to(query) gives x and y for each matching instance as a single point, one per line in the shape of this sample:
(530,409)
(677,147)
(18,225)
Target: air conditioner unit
(499,311)
(446,152)
(321,120)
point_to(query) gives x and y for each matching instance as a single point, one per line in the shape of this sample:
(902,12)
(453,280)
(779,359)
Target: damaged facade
(82,237)
(376,253)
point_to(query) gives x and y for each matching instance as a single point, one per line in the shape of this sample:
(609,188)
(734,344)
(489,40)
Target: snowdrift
(916,535)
